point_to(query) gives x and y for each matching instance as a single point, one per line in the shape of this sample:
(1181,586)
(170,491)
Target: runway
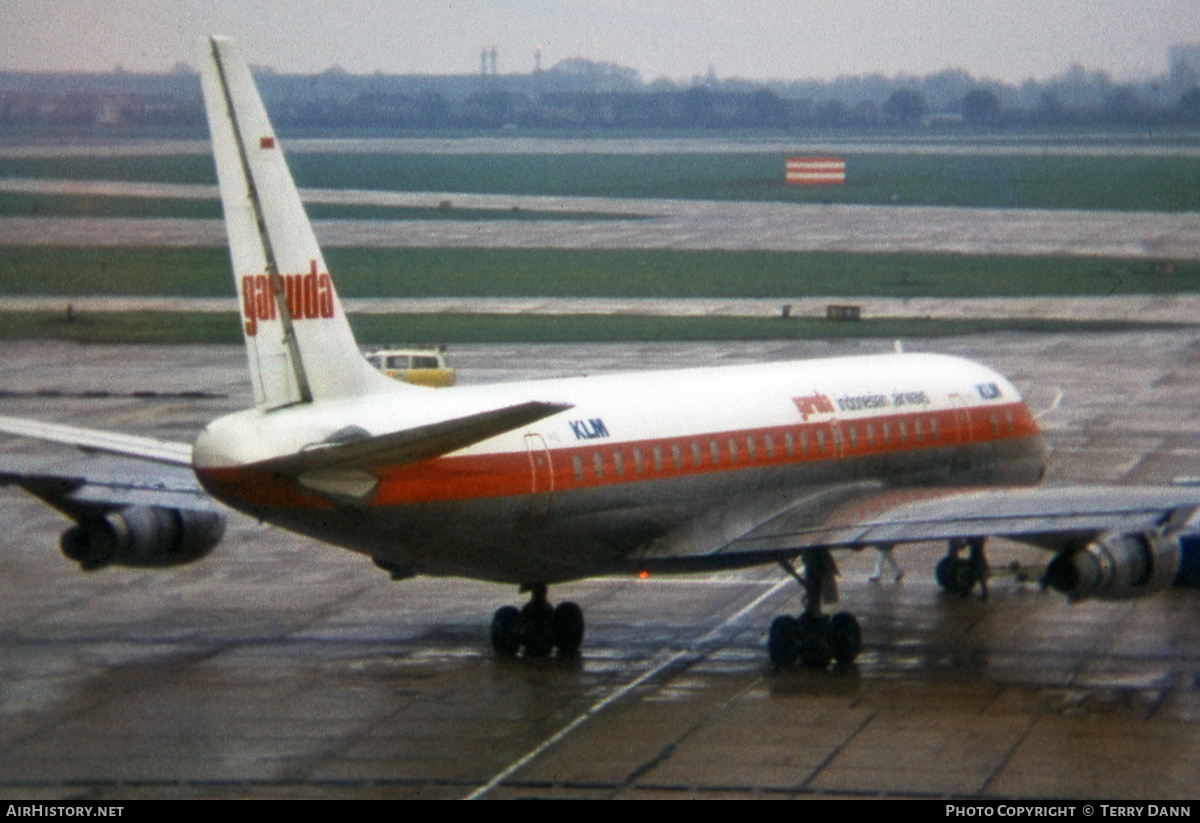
(278,667)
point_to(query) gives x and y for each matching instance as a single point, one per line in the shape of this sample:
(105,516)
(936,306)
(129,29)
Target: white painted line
(1058,397)
(604,703)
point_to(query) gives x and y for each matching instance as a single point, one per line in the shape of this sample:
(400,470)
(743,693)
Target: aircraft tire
(845,638)
(815,648)
(506,631)
(567,628)
(783,641)
(537,628)
(955,575)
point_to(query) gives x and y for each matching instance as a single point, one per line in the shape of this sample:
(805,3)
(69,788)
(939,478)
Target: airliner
(539,482)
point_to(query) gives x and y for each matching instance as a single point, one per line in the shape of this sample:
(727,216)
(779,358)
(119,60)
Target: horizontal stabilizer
(356,449)
(127,445)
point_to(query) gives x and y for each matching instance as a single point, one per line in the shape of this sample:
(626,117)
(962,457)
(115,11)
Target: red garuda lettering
(308,297)
(257,301)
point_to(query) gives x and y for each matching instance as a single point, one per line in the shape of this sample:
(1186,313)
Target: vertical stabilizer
(298,342)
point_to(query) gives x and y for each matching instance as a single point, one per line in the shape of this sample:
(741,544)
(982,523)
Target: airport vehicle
(423,367)
(534,483)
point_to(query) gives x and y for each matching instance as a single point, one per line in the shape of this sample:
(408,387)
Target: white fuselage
(642,465)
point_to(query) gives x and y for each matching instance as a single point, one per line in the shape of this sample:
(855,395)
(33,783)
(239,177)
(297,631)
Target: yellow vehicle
(424,367)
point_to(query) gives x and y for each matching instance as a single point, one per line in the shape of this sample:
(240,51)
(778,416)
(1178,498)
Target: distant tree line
(581,95)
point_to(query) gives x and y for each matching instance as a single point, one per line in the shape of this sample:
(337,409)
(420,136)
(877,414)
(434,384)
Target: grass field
(1029,180)
(421,329)
(204,272)
(1135,183)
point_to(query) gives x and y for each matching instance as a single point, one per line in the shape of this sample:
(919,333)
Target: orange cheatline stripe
(466,477)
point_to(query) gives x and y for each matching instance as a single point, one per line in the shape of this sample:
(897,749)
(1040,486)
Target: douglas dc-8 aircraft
(540,482)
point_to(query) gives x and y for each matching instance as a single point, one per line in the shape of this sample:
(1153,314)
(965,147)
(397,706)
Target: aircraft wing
(127,445)
(340,468)
(1047,516)
(135,471)
(356,449)
(82,487)
(158,473)
(1055,518)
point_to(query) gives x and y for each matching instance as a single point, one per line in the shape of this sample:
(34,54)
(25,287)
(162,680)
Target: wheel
(567,628)
(506,631)
(783,641)
(815,651)
(537,627)
(944,572)
(845,638)
(956,575)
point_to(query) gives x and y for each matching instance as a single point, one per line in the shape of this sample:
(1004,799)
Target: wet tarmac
(279,667)
(699,227)
(651,224)
(1145,308)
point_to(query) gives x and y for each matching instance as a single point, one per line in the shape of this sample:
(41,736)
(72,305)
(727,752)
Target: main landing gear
(538,628)
(959,575)
(812,638)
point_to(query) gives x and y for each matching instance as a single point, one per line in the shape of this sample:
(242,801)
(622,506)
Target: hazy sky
(1005,39)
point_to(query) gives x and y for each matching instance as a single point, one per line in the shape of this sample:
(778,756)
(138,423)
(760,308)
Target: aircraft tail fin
(298,340)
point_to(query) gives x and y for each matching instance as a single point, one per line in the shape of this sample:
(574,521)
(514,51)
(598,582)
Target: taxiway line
(698,651)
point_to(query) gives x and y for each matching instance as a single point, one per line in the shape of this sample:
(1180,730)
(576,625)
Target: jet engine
(1119,566)
(142,537)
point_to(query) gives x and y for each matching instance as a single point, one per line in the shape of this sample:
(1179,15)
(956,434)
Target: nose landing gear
(538,628)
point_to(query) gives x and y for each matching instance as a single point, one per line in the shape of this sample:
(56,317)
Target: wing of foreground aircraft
(534,483)
(1109,542)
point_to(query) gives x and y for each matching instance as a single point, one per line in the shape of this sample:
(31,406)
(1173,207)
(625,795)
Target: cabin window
(714,451)
(903,430)
(577,464)
(803,442)
(768,445)
(917,430)
(820,440)
(836,434)
(750,449)
(933,428)
(870,435)
(656,453)
(852,434)
(789,444)
(618,463)
(995,423)
(733,450)
(638,464)
(597,465)
(696,454)
(676,457)
(887,433)
(1008,420)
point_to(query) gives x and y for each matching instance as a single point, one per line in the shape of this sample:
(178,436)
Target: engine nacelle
(143,537)
(1117,566)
